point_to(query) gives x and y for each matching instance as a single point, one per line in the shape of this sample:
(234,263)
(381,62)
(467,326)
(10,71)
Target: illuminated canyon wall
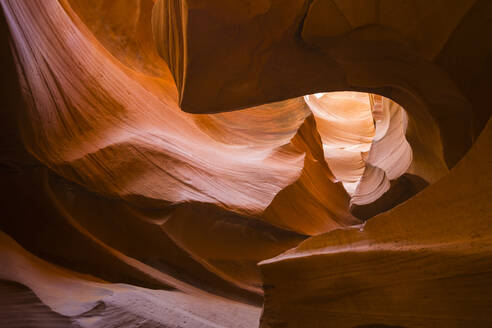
(256,163)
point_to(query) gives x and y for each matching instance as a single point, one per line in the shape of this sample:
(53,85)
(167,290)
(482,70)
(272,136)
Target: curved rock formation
(154,152)
(94,303)
(250,67)
(426,262)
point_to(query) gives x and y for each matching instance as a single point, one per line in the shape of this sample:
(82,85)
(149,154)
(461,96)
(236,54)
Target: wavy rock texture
(364,141)
(343,45)
(73,300)
(424,263)
(152,153)
(118,132)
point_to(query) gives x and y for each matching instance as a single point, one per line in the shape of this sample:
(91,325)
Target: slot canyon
(246,163)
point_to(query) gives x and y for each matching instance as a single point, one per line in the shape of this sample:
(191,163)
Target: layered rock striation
(154,152)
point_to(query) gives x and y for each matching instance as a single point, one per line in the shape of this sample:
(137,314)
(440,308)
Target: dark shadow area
(402,189)
(377,325)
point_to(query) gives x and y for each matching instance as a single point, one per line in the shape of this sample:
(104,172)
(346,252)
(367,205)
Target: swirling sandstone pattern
(154,152)
(424,263)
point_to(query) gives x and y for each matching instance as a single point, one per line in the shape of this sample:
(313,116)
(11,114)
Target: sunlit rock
(184,163)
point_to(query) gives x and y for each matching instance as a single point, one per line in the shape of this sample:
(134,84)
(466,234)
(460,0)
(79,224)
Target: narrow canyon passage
(273,163)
